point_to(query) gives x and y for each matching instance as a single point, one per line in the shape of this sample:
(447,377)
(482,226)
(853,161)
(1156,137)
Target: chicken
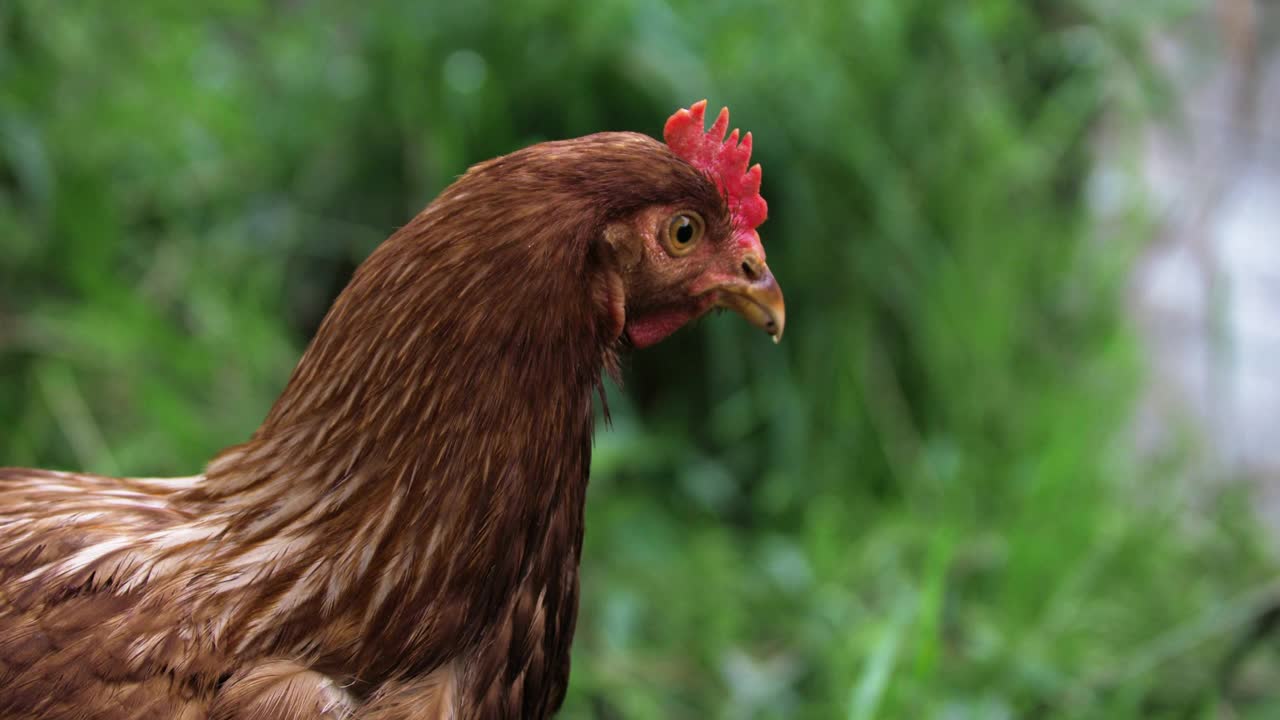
(401,536)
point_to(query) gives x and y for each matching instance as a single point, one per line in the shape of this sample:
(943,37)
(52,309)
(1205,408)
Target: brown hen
(401,536)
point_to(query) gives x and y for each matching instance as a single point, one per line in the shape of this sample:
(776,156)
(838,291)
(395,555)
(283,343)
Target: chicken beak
(757,298)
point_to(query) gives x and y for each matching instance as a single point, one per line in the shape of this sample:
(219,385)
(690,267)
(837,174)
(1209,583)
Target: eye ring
(682,232)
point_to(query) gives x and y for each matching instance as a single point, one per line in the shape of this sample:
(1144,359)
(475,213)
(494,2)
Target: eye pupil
(684,233)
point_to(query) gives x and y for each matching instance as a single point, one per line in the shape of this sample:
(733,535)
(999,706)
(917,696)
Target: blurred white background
(1206,291)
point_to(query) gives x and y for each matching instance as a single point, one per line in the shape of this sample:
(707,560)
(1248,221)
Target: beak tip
(777,322)
(759,301)
(774,326)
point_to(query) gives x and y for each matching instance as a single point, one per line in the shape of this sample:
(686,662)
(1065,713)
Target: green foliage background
(923,504)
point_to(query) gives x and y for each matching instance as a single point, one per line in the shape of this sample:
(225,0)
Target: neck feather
(430,452)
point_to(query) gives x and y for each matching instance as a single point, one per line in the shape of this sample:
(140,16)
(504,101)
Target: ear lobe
(609,262)
(625,244)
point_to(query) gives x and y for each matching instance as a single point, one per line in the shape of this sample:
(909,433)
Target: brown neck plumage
(424,471)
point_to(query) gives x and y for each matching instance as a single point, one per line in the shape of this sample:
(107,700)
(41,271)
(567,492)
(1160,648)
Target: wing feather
(69,627)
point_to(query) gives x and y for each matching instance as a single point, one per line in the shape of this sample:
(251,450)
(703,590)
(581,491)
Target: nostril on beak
(751,268)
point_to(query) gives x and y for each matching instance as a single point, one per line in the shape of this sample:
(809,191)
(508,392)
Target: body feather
(401,536)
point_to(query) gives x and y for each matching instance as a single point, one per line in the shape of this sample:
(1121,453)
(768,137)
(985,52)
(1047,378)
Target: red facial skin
(666,290)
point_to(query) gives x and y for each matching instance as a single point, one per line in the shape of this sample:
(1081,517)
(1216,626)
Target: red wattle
(652,329)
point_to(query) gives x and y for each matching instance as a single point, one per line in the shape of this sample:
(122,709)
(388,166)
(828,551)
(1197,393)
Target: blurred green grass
(924,504)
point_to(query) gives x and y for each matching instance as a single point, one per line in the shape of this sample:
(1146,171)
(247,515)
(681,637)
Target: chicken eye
(683,232)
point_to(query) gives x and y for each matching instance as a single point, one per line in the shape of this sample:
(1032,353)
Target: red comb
(724,160)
